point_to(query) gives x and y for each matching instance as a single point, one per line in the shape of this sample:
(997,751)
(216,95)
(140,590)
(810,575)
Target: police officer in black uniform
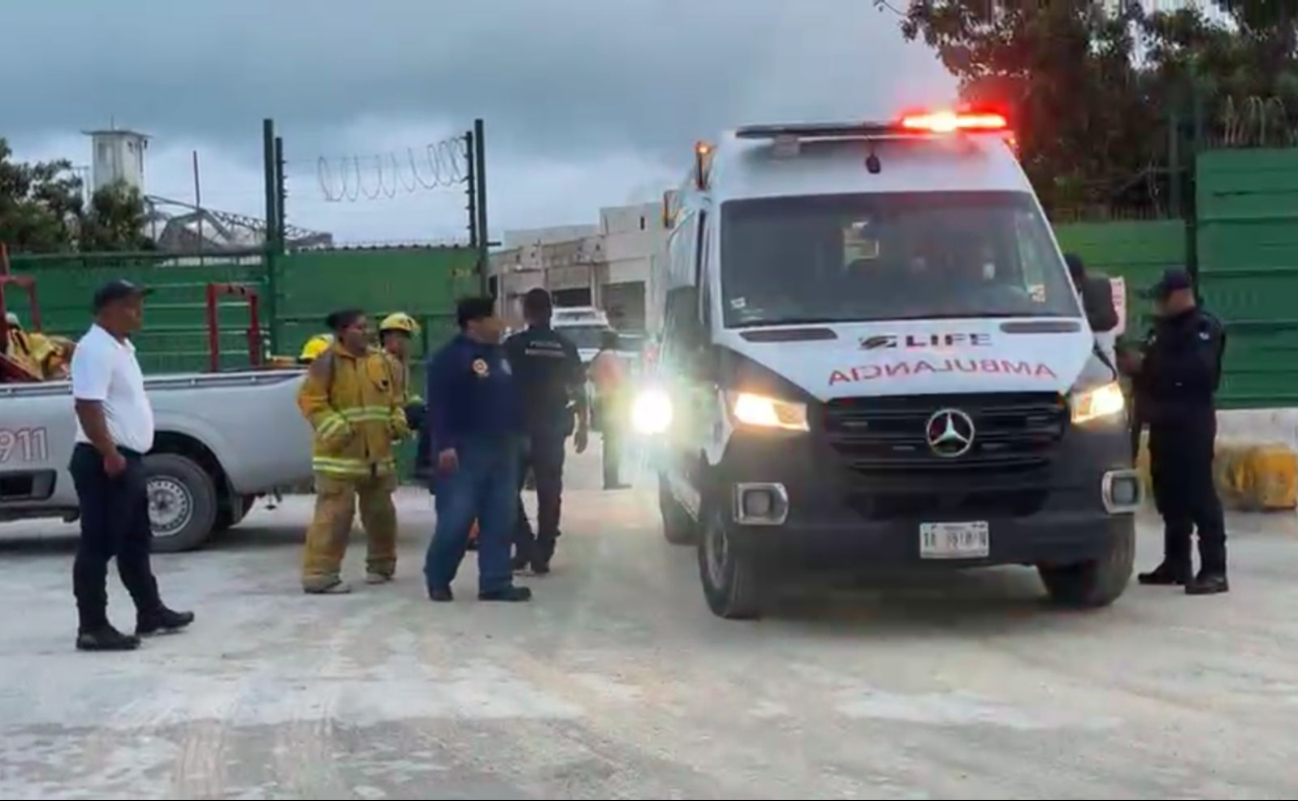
(549,375)
(1177,376)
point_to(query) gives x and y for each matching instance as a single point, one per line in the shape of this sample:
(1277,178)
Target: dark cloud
(560,82)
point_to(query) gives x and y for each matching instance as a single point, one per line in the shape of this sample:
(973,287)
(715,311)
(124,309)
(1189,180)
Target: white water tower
(115,156)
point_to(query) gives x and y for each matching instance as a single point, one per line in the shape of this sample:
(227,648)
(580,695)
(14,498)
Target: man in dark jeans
(114,431)
(474,422)
(551,384)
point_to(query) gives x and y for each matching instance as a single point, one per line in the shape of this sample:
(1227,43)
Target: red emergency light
(953,121)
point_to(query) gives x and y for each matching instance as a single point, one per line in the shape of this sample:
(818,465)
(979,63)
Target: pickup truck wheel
(1095,584)
(730,573)
(232,512)
(182,502)
(678,527)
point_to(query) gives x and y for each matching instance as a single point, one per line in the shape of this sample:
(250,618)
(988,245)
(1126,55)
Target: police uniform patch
(480,368)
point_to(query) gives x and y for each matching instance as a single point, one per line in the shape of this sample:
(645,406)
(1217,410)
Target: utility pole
(484,237)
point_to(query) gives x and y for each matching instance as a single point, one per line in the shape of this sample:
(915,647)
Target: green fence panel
(175,337)
(423,282)
(1247,202)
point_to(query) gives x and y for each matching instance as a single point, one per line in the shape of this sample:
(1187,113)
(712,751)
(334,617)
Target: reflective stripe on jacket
(354,405)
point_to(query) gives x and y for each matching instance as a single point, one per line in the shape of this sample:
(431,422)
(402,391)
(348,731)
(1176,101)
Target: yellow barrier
(1250,476)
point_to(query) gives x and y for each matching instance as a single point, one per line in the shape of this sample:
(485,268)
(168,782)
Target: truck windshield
(893,256)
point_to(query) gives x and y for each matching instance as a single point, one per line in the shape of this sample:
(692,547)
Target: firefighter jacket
(355,406)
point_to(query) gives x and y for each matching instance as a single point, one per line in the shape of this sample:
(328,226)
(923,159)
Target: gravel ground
(618,683)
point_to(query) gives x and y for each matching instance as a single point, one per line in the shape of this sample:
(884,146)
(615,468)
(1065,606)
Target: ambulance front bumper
(795,498)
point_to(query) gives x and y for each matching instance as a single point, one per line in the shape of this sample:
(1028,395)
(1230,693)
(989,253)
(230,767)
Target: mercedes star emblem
(950,433)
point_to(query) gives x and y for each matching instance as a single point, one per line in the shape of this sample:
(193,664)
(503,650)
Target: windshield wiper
(789,321)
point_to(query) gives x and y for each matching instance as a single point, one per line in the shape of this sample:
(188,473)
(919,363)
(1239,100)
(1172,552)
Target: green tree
(115,221)
(1092,85)
(40,204)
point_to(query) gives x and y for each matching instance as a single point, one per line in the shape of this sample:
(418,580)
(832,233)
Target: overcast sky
(587,102)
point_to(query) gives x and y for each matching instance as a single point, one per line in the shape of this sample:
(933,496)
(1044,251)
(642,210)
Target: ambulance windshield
(889,256)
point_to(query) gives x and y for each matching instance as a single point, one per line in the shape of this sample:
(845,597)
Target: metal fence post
(269,257)
(480,172)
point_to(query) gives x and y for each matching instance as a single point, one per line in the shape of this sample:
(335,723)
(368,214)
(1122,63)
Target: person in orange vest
(608,371)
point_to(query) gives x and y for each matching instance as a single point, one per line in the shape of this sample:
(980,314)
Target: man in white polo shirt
(114,431)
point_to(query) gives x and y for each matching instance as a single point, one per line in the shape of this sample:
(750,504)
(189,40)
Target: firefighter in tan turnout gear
(353,399)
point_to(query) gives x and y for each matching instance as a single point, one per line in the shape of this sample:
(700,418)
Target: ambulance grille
(1012,432)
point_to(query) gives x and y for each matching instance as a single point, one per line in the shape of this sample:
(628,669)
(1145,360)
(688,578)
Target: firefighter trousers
(335,509)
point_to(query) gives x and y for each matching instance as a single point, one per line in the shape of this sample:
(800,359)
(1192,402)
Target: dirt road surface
(618,683)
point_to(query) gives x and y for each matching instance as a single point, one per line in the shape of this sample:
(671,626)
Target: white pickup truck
(223,440)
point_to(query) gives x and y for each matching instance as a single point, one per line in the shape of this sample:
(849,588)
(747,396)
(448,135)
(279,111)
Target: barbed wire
(441,165)
(1262,122)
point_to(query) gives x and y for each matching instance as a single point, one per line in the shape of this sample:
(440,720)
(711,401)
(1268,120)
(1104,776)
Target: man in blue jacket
(476,441)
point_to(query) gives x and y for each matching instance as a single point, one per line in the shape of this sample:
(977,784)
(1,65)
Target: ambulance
(873,356)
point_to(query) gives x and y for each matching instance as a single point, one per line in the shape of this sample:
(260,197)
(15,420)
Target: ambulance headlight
(761,411)
(1098,402)
(651,413)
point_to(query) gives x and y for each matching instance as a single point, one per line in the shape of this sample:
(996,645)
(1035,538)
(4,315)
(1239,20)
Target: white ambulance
(873,354)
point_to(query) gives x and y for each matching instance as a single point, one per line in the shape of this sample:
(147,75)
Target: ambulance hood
(921,357)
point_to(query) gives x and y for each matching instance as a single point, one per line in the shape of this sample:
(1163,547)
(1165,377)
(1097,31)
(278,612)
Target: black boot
(162,621)
(1165,575)
(441,595)
(1208,583)
(509,595)
(106,638)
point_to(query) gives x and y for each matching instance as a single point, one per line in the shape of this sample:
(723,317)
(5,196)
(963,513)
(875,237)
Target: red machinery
(214,293)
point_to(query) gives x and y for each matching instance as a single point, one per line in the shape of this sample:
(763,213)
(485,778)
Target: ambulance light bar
(919,124)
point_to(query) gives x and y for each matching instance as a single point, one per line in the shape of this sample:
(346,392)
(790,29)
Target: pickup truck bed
(223,440)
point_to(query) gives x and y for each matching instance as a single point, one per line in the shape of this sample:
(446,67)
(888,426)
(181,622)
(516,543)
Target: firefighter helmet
(400,321)
(315,346)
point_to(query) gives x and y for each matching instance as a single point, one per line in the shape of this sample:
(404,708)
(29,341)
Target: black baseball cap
(1174,280)
(120,289)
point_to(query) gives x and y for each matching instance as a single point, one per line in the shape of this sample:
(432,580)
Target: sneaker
(378,578)
(106,638)
(1208,584)
(336,588)
(441,595)
(163,621)
(509,595)
(1165,576)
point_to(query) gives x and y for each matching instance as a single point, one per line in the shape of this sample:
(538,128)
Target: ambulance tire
(182,502)
(678,527)
(729,571)
(1095,584)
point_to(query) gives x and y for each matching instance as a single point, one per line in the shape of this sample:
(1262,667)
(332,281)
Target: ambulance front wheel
(1097,583)
(730,572)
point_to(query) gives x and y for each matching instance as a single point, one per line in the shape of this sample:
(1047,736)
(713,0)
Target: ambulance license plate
(955,540)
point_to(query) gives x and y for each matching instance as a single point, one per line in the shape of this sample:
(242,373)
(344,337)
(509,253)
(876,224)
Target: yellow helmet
(315,346)
(400,321)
